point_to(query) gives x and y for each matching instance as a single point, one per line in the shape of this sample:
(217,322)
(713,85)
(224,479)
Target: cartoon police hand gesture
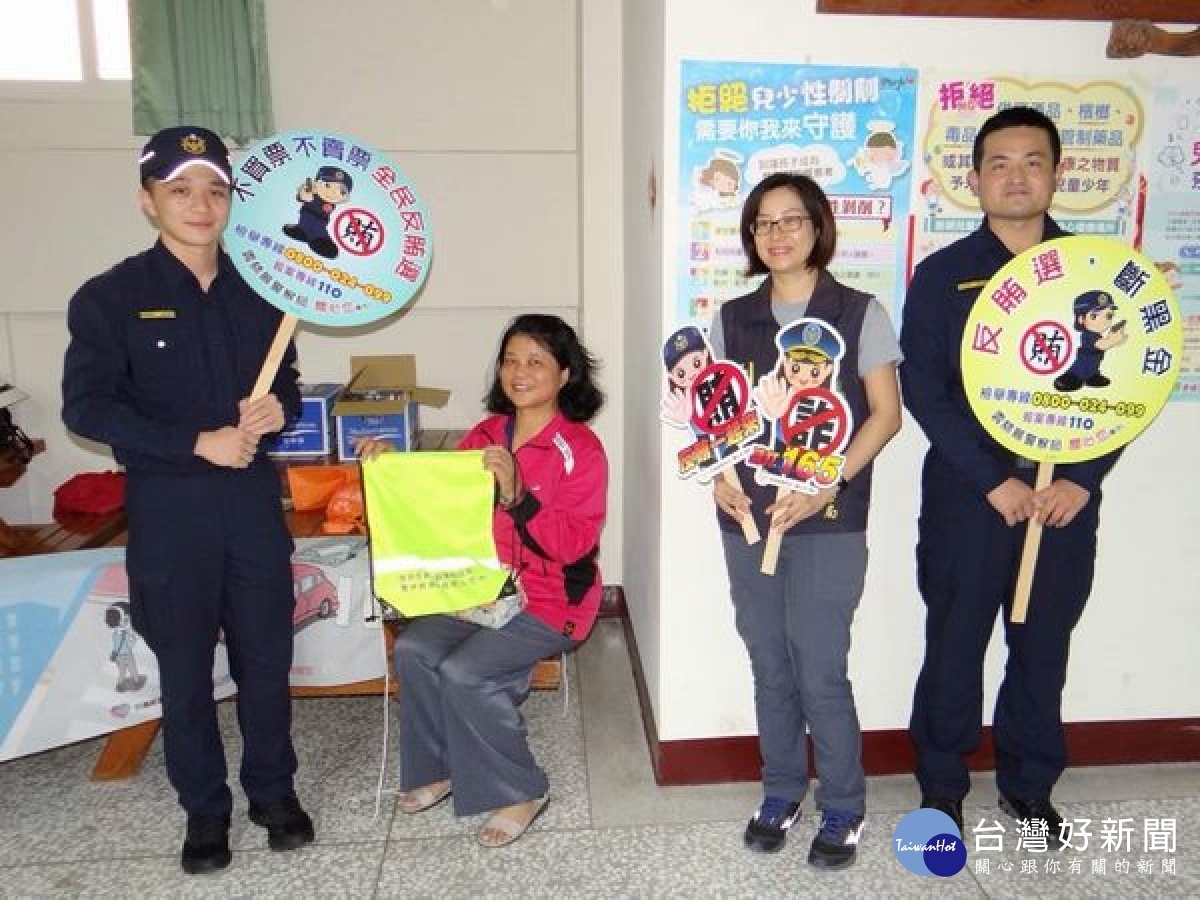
(772,395)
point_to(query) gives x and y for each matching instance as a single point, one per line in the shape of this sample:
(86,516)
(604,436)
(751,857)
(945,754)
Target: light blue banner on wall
(850,128)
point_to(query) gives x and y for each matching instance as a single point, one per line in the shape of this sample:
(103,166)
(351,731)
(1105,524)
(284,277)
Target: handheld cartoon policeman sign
(812,422)
(328,230)
(1070,351)
(710,399)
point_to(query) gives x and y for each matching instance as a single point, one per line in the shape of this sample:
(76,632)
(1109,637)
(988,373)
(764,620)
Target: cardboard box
(312,433)
(382,400)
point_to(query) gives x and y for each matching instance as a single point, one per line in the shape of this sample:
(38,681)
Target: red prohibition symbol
(1047,347)
(816,419)
(358,231)
(720,394)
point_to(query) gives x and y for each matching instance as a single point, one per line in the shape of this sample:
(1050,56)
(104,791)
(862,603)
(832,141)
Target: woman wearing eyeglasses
(796,623)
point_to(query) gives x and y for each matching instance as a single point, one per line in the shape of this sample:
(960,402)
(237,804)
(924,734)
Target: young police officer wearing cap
(165,348)
(974,497)
(796,623)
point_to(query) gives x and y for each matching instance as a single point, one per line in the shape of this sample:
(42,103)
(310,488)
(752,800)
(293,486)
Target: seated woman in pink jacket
(461,731)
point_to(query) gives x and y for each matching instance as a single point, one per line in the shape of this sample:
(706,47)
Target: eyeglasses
(785,225)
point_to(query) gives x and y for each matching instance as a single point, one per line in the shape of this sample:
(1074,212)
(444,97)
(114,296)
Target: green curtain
(201,62)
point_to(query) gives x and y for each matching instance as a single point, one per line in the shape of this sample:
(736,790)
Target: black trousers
(209,559)
(967,562)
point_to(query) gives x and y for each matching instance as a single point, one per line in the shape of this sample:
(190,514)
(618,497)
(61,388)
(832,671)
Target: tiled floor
(609,831)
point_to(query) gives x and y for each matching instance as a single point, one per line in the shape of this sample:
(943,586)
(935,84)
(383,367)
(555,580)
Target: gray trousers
(461,686)
(796,627)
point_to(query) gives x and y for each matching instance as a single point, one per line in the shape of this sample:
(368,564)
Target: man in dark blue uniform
(975,495)
(165,348)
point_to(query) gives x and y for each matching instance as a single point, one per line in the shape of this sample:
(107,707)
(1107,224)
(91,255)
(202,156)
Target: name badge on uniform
(972,285)
(156,313)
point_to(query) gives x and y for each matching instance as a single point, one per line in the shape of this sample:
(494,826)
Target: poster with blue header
(850,128)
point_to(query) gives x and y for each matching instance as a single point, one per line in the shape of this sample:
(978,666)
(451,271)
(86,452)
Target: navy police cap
(1089,301)
(812,336)
(172,150)
(687,339)
(334,175)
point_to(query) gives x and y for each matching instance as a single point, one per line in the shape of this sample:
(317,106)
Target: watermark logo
(927,842)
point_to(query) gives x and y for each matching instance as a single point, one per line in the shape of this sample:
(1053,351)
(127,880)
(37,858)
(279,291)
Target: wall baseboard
(612,602)
(889,752)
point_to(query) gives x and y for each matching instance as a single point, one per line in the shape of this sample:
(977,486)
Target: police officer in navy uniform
(319,196)
(975,497)
(1094,312)
(164,350)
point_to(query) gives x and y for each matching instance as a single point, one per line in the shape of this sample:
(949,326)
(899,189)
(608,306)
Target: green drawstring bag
(429,523)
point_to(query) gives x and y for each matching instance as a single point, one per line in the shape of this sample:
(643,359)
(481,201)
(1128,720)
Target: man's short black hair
(1016,117)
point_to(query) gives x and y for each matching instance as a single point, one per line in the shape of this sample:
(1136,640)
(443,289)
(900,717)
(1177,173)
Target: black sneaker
(836,842)
(767,831)
(1040,810)
(288,825)
(948,805)
(206,847)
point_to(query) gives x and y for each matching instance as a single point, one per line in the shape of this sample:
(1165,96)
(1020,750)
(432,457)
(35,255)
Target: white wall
(1134,654)
(642,120)
(531,133)
(479,101)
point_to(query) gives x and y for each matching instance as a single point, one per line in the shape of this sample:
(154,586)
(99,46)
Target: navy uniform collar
(1050,230)
(177,275)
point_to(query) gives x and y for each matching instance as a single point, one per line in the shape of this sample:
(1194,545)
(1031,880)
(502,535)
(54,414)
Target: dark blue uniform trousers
(967,562)
(211,554)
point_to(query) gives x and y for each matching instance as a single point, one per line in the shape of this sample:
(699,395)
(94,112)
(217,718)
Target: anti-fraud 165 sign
(1071,349)
(327,229)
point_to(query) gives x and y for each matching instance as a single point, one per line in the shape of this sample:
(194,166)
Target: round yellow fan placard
(1072,349)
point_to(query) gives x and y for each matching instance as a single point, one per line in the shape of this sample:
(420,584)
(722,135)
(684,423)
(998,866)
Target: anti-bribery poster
(1071,349)
(75,668)
(850,128)
(327,229)
(1101,124)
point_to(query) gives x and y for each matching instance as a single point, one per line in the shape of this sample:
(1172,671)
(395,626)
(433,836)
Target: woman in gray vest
(817,345)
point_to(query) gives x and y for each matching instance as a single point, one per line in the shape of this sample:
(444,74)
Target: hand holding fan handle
(749,529)
(270,366)
(1029,553)
(774,539)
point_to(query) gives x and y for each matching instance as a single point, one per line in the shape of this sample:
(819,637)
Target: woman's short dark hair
(579,399)
(816,204)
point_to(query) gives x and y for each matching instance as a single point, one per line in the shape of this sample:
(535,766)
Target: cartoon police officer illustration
(809,355)
(809,352)
(319,196)
(1094,314)
(124,637)
(685,355)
